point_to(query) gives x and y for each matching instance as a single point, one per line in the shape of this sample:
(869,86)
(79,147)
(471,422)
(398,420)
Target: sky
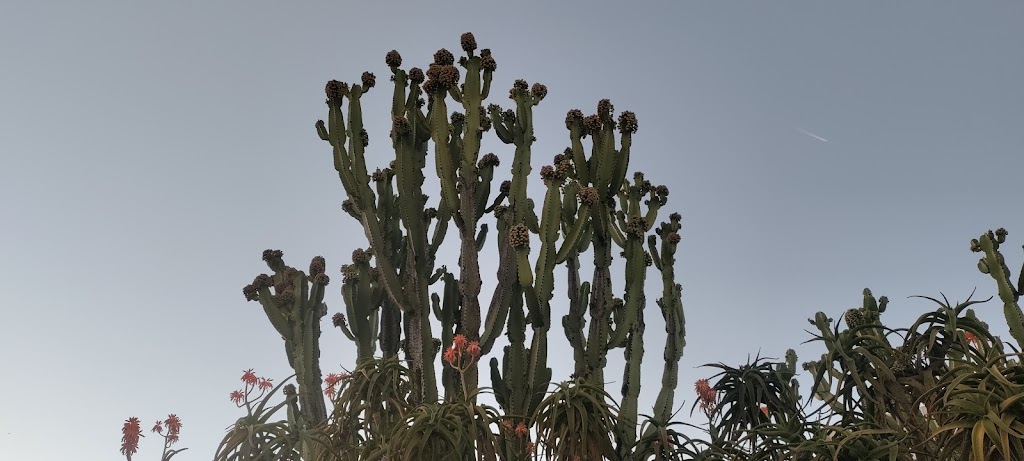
(150,151)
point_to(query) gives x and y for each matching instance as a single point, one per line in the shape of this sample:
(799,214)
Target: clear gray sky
(149,152)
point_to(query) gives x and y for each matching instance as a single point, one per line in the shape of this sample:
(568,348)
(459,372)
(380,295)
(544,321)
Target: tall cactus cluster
(395,295)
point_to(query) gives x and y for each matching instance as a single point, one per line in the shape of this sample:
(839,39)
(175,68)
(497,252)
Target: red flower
(249,377)
(332,379)
(130,438)
(265,384)
(158,427)
(451,356)
(764,409)
(971,338)
(173,427)
(521,430)
(705,394)
(237,397)
(473,349)
(459,343)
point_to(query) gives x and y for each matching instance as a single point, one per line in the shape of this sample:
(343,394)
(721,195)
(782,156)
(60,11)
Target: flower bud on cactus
(288,390)
(443,57)
(369,80)
(488,64)
(489,161)
(628,123)
(591,124)
(349,273)
(519,236)
(400,125)
(271,255)
(338,320)
(458,117)
(505,187)
(262,281)
(360,256)
(538,91)
(284,299)
(673,238)
(416,75)
(518,87)
(336,90)
(1001,235)
(321,279)
(605,109)
(317,266)
(588,196)
(675,217)
(636,226)
(468,42)
(251,293)
(393,59)
(573,116)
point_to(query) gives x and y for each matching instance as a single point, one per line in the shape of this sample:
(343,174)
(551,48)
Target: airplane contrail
(808,133)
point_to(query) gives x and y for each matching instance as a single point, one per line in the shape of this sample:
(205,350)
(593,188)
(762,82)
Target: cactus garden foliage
(425,335)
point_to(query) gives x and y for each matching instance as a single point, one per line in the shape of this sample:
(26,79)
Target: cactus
(295,308)
(393,294)
(994,264)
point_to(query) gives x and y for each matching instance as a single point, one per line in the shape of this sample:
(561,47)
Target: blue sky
(149,152)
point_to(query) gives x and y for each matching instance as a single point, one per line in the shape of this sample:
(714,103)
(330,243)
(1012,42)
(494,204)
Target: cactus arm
(471,100)
(481,238)
(616,234)
(501,300)
(572,238)
(652,247)
(583,171)
(439,132)
(672,311)
(356,142)
(440,229)
(635,272)
(277,319)
(500,129)
(634,353)
(572,322)
(994,265)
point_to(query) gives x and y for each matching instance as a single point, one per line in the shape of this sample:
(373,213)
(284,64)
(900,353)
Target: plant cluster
(943,388)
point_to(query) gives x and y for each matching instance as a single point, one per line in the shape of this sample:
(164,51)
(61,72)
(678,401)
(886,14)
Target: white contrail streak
(808,133)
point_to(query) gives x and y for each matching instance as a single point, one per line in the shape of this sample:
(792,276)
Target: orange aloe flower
(764,409)
(451,356)
(521,430)
(237,397)
(249,377)
(130,438)
(473,349)
(173,427)
(459,343)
